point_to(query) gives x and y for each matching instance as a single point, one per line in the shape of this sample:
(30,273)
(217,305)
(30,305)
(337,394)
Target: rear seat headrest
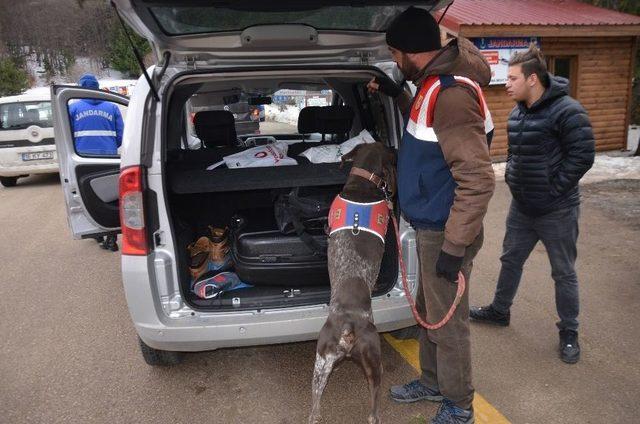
(325,120)
(215,128)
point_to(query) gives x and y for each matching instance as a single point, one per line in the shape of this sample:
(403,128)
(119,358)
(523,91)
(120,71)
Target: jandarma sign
(497,52)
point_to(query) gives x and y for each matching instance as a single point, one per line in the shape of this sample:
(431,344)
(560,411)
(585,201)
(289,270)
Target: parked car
(167,197)
(26,136)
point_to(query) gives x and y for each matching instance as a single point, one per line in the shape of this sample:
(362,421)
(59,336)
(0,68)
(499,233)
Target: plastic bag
(333,152)
(274,154)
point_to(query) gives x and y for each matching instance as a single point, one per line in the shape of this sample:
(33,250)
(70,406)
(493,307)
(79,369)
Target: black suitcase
(263,255)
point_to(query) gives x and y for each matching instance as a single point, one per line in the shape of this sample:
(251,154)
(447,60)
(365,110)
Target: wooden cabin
(593,47)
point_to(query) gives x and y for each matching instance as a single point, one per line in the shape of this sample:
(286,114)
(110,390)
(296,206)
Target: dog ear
(350,156)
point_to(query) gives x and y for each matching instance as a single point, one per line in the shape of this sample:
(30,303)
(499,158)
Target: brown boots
(209,253)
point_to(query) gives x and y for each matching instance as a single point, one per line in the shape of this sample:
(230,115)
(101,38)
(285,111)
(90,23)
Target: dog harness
(354,216)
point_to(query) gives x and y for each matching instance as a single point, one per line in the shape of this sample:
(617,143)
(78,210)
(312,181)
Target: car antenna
(137,55)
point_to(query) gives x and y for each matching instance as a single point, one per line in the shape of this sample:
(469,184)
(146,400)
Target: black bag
(263,255)
(301,213)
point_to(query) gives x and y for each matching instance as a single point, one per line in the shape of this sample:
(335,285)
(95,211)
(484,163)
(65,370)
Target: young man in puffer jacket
(551,146)
(445,182)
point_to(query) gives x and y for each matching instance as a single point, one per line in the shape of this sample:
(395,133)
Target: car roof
(30,95)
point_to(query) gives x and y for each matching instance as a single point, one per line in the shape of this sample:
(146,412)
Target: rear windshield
(20,115)
(278,117)
(193,20)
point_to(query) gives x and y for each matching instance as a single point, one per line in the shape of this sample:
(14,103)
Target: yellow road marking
(484,411)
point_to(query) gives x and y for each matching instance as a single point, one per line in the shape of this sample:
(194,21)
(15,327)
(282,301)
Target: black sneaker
(110,243)
(489,315)
(569,346)
(413,392)
(451,414)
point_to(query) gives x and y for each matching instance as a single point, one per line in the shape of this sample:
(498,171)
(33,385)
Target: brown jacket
(459,126)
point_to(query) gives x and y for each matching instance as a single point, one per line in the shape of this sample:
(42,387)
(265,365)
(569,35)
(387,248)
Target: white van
(26,136)
(211,54)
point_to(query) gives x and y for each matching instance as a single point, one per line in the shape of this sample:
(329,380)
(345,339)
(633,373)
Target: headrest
(325,120)
(215,128)
(307,120)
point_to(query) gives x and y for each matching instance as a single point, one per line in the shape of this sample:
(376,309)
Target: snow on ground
(287,116)
(81,66)
(607,166)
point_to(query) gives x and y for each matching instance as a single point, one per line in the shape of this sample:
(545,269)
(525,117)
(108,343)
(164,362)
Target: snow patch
(81,66)
(605,167)
(288,114)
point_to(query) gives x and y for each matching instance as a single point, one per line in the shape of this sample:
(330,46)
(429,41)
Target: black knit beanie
(414,31)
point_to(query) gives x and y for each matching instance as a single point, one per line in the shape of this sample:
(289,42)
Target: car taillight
(134,238)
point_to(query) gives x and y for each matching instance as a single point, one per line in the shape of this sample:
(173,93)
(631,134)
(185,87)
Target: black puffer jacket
(551,147)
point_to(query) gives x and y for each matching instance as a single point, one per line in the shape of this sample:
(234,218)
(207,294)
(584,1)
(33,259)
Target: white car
(26,136)
(167,197)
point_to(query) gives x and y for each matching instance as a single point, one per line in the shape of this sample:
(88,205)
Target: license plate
(37,156)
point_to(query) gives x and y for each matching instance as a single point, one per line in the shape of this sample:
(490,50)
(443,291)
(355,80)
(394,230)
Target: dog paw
(314,419)
(374,420)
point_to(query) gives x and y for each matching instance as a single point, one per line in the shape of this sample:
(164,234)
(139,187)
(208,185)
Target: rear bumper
(12,165)
(209,331)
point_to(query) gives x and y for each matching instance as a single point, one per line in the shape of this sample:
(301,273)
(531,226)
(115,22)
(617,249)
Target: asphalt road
(69,352)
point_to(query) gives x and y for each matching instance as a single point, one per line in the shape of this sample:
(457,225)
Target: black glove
(389,87)
(448,266)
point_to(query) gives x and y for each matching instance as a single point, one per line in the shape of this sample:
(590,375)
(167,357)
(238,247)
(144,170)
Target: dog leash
(382,185)
(405,284)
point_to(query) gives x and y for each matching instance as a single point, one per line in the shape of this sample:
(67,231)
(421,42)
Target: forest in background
(53,34)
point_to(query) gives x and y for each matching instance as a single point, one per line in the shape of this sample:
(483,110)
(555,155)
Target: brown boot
(199,255)
(219,244)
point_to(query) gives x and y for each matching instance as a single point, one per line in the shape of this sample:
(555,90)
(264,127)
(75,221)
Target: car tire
(406,333)
(9,181)
(162,358)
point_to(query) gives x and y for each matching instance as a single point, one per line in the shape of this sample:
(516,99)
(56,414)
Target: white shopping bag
(333,152)
(274,154)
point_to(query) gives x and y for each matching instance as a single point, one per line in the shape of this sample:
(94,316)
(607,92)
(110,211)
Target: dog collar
(354,216)
(370,176)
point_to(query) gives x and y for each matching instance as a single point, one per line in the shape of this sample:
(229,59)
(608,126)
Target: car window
(193,20)
(278,118)
(281,116)
(20,115)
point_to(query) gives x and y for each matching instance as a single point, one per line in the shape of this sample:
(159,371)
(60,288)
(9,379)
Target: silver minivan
(159,193)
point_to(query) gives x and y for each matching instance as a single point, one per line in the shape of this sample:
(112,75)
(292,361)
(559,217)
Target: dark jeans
(445,353)
(558,231)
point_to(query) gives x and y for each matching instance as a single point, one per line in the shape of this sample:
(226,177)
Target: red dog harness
(354,216)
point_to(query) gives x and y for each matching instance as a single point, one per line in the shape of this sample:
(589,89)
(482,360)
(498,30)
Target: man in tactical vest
(445,182)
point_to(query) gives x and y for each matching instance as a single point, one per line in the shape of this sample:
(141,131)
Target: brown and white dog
(354,263)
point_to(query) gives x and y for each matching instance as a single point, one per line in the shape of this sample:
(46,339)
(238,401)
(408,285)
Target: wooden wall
(604,77)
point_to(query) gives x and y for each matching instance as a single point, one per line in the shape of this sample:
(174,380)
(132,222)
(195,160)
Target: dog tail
(347,336)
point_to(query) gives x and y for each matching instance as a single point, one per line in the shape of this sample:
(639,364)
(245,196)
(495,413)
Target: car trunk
(199,198)
(193,213)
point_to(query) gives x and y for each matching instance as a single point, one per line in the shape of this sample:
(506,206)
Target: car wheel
(9,181)
(406,333)
(155,357)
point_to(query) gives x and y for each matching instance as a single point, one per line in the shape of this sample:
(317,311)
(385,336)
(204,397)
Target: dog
(354,259)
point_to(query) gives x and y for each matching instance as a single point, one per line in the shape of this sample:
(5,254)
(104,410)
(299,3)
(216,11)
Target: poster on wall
(497,51)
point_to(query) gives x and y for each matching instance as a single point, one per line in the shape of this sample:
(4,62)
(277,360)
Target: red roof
(531,12)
